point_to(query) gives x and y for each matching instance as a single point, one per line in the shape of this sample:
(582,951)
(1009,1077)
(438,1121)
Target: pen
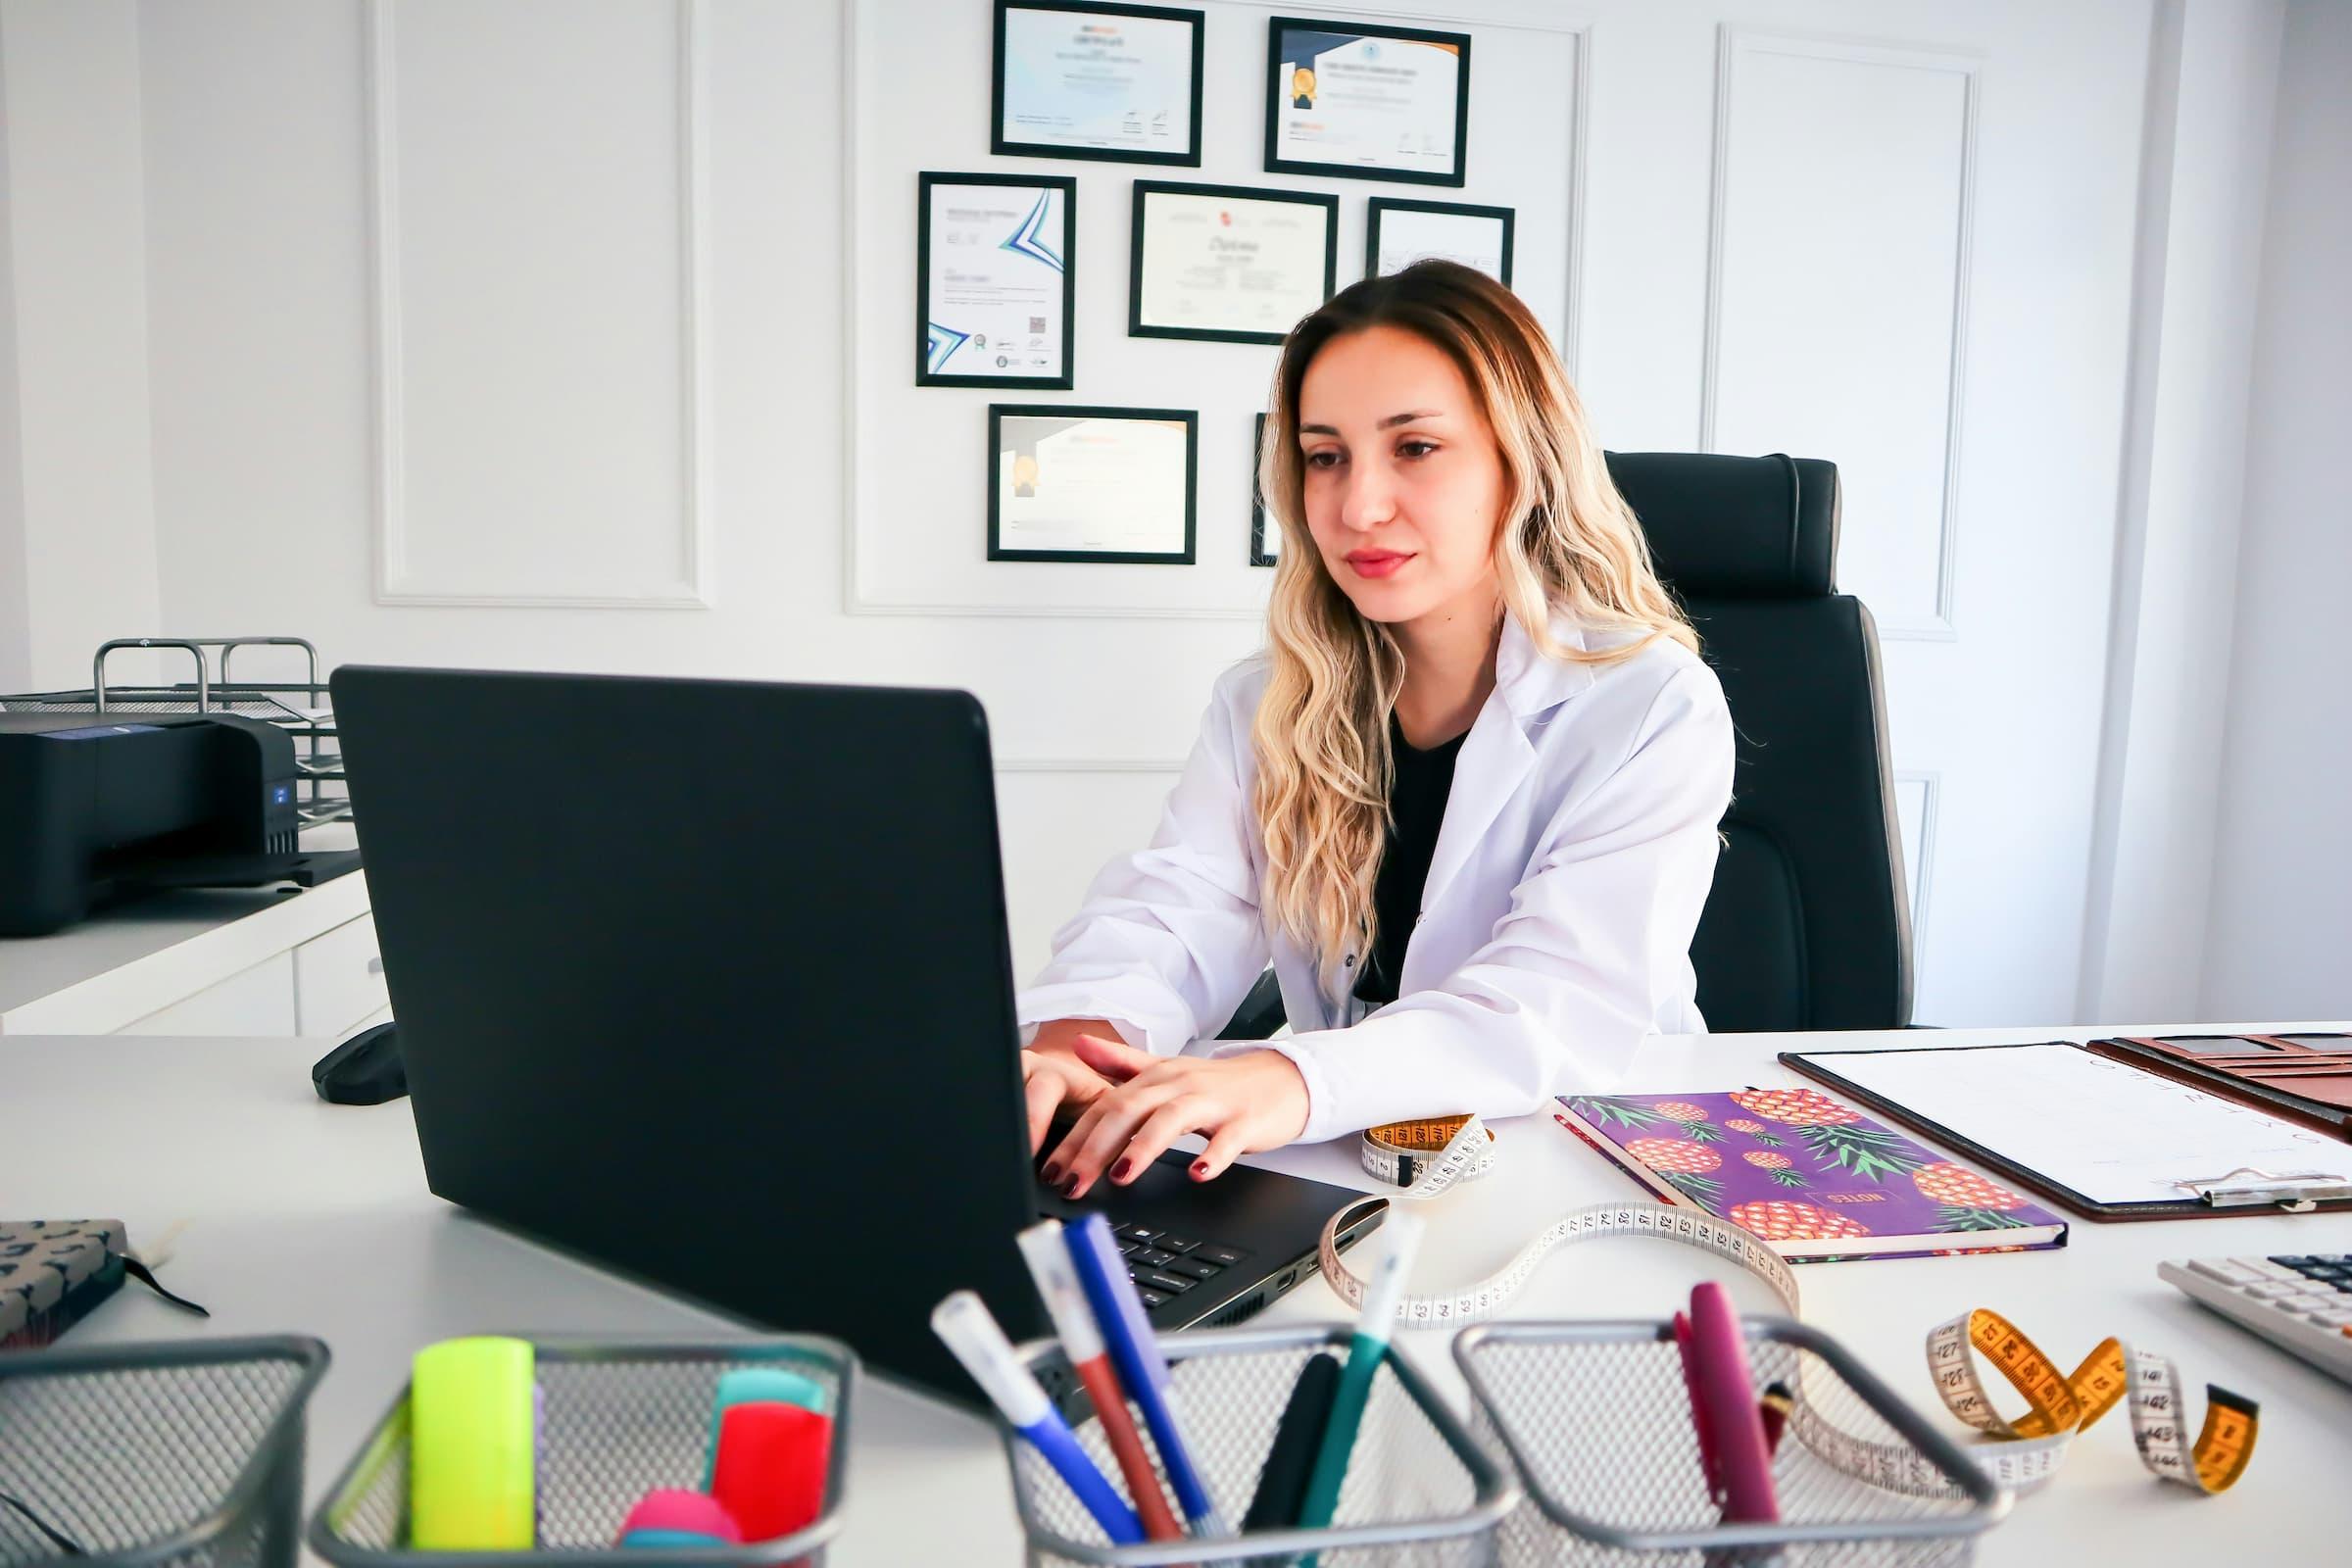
(1364,1353)
(1056,1279)
(1143,1370)
(1717,1362)
(962,1320)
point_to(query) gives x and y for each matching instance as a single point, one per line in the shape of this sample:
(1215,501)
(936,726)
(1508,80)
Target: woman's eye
(1415,449)
(1314,459)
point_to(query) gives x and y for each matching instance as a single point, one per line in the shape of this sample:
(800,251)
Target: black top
(1416,808)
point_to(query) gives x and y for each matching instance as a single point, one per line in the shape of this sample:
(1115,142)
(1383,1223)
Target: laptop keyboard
(1164,1265)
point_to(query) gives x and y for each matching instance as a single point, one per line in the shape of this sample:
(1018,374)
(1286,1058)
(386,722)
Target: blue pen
(964,1323)
(1143,1370)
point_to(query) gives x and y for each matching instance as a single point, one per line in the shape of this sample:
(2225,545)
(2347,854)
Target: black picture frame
(1400,204)
(925,375)
(1278,90)
(998,144)
(1260,556)
(1191,418)
(1145,189)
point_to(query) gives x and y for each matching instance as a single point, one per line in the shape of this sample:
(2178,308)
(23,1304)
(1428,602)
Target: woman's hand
(1051,1078)
(1243,1104)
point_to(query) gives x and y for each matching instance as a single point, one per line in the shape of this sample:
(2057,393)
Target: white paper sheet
(2112,1133)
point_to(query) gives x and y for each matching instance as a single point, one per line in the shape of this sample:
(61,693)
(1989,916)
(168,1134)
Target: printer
(96,806)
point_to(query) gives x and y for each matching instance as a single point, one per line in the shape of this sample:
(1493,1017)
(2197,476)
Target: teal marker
(1364,1352)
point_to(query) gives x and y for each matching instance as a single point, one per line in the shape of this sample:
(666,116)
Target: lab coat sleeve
(1563,991)
(1168,939)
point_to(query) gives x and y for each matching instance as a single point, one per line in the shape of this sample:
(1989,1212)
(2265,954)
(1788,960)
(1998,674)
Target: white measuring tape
(1427,1158)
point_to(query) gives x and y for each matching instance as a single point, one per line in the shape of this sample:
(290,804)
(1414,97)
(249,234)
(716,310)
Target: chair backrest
(1807,926)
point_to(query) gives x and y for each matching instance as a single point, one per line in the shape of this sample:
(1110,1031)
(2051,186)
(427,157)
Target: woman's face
(1404,485)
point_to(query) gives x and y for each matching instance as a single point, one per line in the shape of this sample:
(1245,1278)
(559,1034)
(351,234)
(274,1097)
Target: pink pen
(1715,1360)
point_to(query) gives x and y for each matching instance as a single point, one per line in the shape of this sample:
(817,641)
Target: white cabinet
(338,980)
(258,1000)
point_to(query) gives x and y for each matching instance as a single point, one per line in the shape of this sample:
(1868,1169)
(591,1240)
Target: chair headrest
(1734,527)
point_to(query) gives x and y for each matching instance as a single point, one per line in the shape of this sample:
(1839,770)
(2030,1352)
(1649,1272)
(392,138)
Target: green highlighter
(1364,1353)
(473,1423)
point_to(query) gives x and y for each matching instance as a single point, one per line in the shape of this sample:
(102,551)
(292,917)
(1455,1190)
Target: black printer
(97,807)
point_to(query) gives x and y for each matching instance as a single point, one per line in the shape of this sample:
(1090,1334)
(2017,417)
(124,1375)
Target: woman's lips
(1376,563)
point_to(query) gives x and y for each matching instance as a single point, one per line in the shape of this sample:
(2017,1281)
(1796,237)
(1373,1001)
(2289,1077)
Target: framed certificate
(1226,264)
(1398,233)
(1068,483)
(1088,78)
(1265,544)
(995,297)
(1367,101)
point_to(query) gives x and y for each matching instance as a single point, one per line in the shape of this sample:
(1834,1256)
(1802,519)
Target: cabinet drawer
(257,1001)
(338,979)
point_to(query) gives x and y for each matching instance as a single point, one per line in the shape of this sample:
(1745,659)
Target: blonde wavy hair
(1568,541)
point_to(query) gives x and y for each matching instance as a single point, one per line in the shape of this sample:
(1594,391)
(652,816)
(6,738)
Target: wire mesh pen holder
(1596,1418)
(1419,1491)
(619,1419)
(182,1455)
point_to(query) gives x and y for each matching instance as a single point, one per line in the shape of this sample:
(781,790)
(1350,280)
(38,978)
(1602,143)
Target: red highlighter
(1723,1408)
(771,1467)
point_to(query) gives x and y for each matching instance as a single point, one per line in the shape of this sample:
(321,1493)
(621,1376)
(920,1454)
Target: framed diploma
(1367,101)
(1090,79)
(1265,542)
(1068,483)
(997,298)
(1227,264)
(1398,233)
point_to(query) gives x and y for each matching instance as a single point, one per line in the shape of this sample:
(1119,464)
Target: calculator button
(2228,1270)
(2269,1270)
(1223,1256)
(2272,1289)
(1172,1284)
(1198,1268)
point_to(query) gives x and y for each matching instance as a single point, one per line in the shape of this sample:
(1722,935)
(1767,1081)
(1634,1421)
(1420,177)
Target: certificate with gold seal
(1228,264)
(1367,101)
(1070,483)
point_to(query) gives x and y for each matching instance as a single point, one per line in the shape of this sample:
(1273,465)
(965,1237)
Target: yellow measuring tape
(1425,1157)
(2061,1405)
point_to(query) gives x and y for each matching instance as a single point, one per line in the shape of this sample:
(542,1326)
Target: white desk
(307,1217)
(205,962)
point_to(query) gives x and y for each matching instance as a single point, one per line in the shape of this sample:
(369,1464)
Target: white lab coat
(1578,845)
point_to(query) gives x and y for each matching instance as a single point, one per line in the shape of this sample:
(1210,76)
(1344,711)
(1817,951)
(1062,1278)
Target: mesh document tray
(1419,1489)
(1596,1419)
(181,1454)
(622,1418)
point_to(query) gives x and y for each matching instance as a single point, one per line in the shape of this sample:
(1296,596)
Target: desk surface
(128,961)
(286,1214)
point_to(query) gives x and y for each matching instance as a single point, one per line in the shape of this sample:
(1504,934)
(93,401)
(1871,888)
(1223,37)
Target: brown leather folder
(2299,1078)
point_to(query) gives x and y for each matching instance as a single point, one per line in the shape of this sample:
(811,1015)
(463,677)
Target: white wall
(597,304)
(2282,906)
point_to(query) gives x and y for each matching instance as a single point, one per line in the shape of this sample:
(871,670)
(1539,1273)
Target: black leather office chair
(1807,926)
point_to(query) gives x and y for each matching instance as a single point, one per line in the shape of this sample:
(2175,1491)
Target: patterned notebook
(1816,1180)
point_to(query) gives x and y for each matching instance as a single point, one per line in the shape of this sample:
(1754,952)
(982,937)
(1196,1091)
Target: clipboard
(1985,1094)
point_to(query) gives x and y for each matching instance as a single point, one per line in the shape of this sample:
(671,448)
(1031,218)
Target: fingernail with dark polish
(1119,1170)
(1051,1174)
(1200,1170)
(1069,1189)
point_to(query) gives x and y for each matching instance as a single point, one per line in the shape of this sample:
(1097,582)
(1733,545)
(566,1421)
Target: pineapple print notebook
(1812,1177)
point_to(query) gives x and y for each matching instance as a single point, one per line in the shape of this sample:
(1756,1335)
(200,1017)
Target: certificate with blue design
(1365,101)
(1094,78)
(995,297)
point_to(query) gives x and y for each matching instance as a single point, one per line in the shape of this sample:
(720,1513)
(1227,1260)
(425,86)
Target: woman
(1466,799)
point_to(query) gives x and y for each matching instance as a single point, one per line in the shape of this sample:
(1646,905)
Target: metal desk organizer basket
(1596,1419)
(181,1454)
(621,1418)
(1419,1489)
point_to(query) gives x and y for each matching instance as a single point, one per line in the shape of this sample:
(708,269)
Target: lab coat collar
(1496,754)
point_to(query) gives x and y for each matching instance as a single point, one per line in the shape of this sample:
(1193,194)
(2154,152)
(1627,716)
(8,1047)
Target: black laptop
(709,981)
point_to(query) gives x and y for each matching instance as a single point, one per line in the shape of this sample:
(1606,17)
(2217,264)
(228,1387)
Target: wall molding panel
(1780,146)
(1916,794)
(586,536)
